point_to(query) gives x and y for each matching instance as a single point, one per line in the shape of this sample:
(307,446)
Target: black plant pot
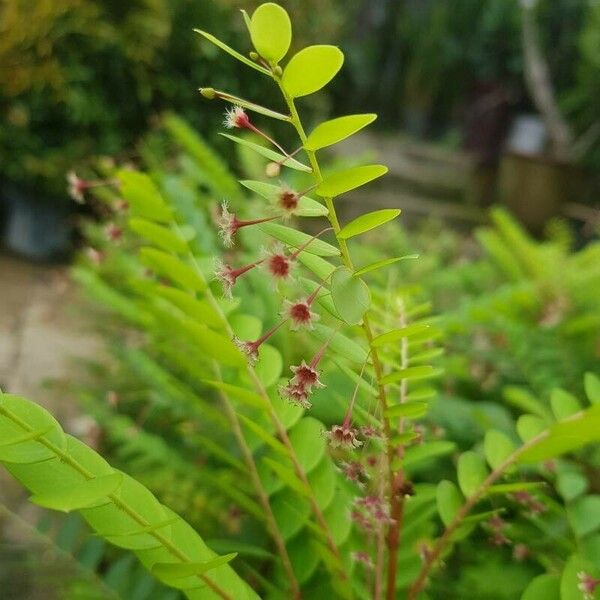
(33,227)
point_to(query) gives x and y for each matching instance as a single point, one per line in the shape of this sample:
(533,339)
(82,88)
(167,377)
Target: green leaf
(217,42)
(427,451)
(257,108)
(397,334)
(307,207)
(317,265)
(569,581)
(543,587)
(292,163)
(295,238)
(471,472)
(351,296)
(17,446)
(566,436)
(157,234)
(340,344)
(269,365)
(449,501)
(310,445)
(571,484)
(563,404)
(528,426)
(592,388)
(584,515)
(199,310)
(525,401)
(311,69)
(143,197)
(383,263)
(271,31)
(409,410)
(349,179)
(238,393)
(516,486)
(497,447)
(411,373)
(172,268)
(367,222)
(172,571)
(334,131)
(91,492)
(264,435)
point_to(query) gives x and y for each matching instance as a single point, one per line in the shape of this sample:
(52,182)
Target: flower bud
(209,93)
(272,169)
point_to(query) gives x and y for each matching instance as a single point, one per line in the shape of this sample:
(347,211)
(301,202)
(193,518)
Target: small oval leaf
(349,179)
(271,31)
(311,69)
(351,296)
(471,472)
(367,222)
(334,131)
(448,500)
(386,262)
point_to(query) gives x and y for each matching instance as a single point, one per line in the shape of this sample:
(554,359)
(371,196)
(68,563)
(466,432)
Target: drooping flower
(343,437)
(288,200)
(250,348)
(306,376)
(277,263)
(362,557)
(353,471)
(236,118)
(77,187)
(300,314)
(296,394)
(113,232)
(587,585)
(229,224)
(228,276)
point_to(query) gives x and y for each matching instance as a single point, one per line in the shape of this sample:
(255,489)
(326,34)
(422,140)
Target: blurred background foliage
(88,77)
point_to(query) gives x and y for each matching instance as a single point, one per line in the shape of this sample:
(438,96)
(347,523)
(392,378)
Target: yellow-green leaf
(334,131)
(172,268)
(367,222)
(311,69)
(349,179)
(271,31)
(295,238)
(171,571)
(383,263)
(161,236)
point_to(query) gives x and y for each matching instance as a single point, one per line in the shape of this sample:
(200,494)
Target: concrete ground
(42,328)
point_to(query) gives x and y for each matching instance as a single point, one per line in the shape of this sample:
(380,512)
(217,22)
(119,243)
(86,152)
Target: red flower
(587,585)
(229,224)
(288,200)
(278,263)
(250,349)
(113,232)
(299,314)
(77,187)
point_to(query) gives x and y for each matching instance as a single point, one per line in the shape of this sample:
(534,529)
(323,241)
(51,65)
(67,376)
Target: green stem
(279,427)
(435,553)
(393,499)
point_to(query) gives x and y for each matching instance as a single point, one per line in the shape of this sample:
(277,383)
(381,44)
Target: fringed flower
(228,276)
(236,118)
(340,436)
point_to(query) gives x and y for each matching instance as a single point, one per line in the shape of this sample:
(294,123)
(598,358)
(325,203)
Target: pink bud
(77,187)
(113,232)
(587,585)
(228,275)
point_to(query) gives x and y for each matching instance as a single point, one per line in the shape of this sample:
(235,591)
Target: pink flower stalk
(229,224)
(344,435)
(249,348)
(77,186)
(587,585)
(228,276)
